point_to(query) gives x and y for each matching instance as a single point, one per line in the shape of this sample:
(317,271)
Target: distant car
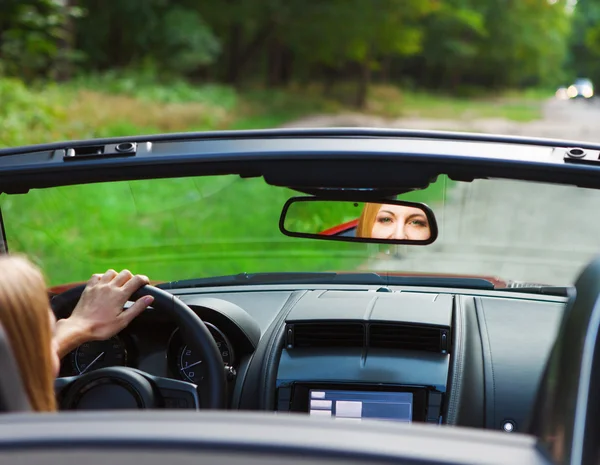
(581,88)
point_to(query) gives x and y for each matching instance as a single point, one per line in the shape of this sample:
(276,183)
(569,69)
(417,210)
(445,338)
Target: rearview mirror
(384,221)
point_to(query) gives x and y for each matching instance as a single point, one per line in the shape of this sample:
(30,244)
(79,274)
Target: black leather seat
(566,415)
(12,393)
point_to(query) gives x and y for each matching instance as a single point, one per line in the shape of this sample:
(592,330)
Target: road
(514,230)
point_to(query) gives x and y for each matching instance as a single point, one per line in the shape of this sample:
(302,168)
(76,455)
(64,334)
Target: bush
(145,85)
(25,111)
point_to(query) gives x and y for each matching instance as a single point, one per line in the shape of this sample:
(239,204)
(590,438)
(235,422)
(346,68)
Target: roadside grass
(390,102)
(262,108)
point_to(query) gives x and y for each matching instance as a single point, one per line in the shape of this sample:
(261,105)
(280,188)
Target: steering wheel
(129,388)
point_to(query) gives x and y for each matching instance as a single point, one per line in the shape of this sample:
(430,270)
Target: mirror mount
(353,193)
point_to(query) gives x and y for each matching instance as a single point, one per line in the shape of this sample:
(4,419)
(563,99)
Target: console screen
(356,405)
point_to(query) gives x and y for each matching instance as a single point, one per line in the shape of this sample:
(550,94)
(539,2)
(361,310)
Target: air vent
(391,336)
(323,334)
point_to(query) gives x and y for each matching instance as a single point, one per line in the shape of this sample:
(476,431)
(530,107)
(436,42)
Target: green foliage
(497,43)
(584,58)
(145,85)
(126,33)
(110,106)
(316,217)
(188,42)
(463,30)
(24,111)
(334,31)
(32,37)
(450,44)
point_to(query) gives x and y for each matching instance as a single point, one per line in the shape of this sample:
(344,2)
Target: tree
(32,37)
(171,34)
(584,50)
(454,40)
(526,41)
(336,32)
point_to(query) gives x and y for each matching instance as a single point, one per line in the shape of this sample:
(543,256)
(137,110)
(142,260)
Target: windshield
(174,229)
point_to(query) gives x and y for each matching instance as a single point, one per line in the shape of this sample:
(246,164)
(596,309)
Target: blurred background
(96,68)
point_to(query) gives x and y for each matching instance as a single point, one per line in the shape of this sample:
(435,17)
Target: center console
(377,355)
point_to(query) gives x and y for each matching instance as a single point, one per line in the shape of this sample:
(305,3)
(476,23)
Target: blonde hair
(364,228)
(24,315)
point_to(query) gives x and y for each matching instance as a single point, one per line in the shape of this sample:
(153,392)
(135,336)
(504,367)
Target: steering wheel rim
(192,328)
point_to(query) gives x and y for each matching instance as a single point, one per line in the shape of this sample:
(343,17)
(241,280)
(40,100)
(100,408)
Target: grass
(390,102)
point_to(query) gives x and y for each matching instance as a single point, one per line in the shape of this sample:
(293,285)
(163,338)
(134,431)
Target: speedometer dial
(190,366)
(99,354)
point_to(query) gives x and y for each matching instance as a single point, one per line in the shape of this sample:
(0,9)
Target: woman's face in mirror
(398,222)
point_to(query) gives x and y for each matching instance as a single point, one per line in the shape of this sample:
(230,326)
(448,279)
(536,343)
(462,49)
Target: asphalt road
(514,230)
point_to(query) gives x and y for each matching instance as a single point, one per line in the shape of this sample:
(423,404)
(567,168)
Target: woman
(395,222)
(39,341)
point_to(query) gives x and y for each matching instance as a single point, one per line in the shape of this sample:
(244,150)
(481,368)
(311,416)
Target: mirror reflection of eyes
(400,222)
(385,216)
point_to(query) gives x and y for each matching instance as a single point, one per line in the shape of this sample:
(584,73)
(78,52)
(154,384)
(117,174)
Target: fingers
(125,280)
(122,278)
(138,307)
(108,276)
(135,283)
(95,278)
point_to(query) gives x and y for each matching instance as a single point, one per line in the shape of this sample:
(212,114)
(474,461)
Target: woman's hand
(99,313)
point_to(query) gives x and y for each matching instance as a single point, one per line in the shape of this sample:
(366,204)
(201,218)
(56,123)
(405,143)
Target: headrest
(13,397)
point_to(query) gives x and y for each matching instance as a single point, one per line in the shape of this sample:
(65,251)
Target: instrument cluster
(182,362)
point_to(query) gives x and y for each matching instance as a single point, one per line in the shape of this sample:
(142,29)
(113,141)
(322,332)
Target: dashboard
(405,354)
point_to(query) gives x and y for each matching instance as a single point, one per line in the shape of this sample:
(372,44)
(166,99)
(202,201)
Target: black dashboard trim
(239,320)
(385,366)
(246,289)
(267,400)
(262,369)
(361,305)
(467,383)
(242,371)
(517,339)
(455,370)
(488,367)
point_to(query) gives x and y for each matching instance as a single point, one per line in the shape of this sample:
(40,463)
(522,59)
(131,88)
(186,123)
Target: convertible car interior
(325,367)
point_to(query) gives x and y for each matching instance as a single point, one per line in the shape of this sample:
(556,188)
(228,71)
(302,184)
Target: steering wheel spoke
(61,384)
(177,394)
(121,387)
